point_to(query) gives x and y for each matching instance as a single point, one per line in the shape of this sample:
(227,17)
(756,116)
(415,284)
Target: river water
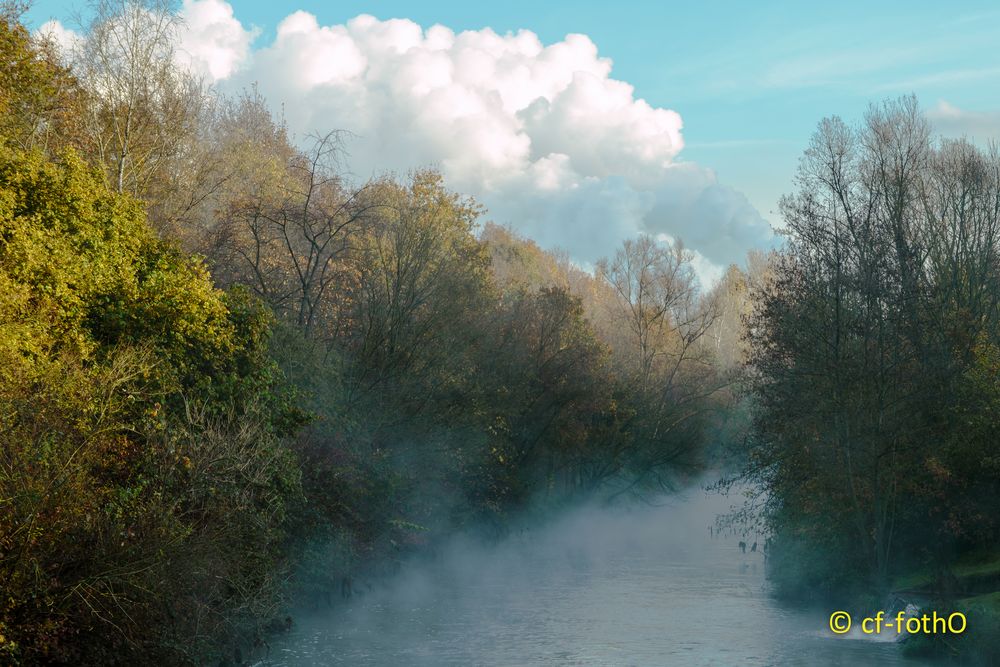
(643,586)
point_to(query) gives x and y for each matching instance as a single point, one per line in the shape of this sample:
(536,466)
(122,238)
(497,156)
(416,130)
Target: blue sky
(750,80)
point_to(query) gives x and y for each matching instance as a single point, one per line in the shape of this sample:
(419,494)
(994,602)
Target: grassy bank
(971,586)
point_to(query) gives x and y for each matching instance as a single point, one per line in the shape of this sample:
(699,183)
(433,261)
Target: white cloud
(954,122)
(212,41)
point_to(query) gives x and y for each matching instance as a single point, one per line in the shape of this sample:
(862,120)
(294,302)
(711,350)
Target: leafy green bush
(143,483)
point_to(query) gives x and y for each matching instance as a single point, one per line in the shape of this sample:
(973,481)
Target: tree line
(872,363)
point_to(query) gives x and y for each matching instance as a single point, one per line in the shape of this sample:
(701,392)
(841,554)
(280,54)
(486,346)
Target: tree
(289,229)
(547,388)
(660,358)
(39,98)
(143,108)
(730,300)
(422,283)
(657,300)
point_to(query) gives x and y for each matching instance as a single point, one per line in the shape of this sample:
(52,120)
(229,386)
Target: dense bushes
(142,479)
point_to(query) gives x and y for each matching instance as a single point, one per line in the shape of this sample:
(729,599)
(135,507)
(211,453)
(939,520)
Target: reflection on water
(648,586)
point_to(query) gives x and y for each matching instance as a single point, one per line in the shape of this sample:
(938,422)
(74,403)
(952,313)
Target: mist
(656,583)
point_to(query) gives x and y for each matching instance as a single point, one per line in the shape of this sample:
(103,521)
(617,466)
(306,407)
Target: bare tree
(144,107)
(662,358)
(658,301)
(292,237)
(730,299)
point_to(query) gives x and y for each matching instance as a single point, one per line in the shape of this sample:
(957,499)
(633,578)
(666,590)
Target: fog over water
(644,585)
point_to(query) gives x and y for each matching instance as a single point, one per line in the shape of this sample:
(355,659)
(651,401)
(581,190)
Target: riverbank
(972,586)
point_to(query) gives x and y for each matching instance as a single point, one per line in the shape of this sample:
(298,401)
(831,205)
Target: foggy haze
(635,585)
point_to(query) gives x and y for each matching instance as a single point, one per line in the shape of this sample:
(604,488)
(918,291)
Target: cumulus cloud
(953,121)
(212,41)
(542,134)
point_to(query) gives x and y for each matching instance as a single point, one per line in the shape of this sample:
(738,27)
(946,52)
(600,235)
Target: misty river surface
(645,586)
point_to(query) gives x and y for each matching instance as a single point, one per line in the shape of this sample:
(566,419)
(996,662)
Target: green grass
(968,572)
(912,581)
(989,567)
(980,643)
(989,602)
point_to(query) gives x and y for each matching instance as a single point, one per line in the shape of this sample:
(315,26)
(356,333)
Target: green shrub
(143,484)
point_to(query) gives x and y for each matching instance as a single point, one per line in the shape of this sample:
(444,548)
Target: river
(643,586)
